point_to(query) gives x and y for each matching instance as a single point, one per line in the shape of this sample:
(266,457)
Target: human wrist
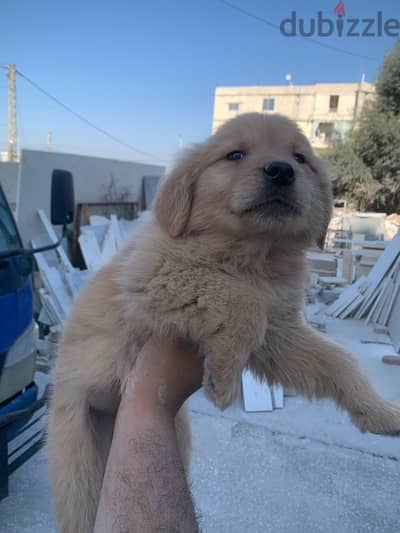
(151,398)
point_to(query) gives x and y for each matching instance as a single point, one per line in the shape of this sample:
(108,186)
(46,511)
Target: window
(9,239)
(268,104)
(333,102)
(233,106)
(325,131)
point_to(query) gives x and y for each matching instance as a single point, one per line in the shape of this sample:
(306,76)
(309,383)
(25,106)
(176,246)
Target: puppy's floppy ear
(321,237)
(174,199)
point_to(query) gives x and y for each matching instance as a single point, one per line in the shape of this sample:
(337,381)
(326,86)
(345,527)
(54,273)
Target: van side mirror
(62,213)
(62,198)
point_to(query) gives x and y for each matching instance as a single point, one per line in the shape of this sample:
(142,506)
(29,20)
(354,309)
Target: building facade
(320,110)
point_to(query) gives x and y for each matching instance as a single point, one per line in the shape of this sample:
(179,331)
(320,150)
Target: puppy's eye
(235,155)
(299,158)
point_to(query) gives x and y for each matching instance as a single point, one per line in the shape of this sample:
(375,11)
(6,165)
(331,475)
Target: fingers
(166,371)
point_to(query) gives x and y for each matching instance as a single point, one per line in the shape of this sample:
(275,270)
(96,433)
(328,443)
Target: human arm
(144,487)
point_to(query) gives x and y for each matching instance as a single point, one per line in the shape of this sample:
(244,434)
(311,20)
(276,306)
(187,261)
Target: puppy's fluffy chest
(181,289)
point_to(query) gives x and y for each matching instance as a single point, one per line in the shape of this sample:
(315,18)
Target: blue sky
(146,70)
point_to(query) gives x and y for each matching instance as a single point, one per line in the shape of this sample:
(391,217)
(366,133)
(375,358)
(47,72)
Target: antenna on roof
(288,78)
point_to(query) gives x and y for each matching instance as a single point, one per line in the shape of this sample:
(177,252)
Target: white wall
(91,175)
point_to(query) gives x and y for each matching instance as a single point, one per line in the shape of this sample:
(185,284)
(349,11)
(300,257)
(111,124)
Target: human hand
(167,371)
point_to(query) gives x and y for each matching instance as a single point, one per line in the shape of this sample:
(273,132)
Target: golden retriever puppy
(221,264)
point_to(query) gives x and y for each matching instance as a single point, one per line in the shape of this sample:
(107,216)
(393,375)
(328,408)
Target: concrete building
(320,110)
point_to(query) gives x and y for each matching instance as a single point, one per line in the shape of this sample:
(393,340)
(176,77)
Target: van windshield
(9,239)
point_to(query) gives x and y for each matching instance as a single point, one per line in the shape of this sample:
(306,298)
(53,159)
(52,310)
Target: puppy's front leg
(229,347)
(298,356)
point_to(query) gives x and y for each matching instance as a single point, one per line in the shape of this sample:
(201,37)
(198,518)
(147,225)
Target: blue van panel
(24,306)
(16,313)
(24,400)
(8,320)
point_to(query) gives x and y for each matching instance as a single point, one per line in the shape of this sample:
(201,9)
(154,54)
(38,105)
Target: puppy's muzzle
(280,173)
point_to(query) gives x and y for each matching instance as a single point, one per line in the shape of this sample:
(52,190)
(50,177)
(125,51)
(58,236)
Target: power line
(309,39)
(85,120)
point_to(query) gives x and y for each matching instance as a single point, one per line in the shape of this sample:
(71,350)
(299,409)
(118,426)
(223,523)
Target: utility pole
(12,114)
(49,141)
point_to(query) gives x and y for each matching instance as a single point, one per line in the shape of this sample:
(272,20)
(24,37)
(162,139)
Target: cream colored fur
(214,269)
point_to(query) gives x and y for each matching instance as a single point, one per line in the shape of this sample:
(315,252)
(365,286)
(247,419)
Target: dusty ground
(303,469)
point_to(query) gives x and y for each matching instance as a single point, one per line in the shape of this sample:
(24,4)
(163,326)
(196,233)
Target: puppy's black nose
(280,173)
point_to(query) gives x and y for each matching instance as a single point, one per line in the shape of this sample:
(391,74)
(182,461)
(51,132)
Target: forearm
(144,487)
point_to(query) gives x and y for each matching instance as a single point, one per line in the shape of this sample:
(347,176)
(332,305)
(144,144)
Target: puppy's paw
(382,419)
(221,386)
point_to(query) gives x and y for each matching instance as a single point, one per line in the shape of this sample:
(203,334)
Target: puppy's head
(257,175)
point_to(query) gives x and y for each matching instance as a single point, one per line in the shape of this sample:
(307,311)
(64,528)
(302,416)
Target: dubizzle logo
(323,26)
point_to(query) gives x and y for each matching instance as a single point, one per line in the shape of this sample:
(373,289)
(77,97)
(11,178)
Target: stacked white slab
(375,297)
(61,281)
(259,396)
(104,237)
